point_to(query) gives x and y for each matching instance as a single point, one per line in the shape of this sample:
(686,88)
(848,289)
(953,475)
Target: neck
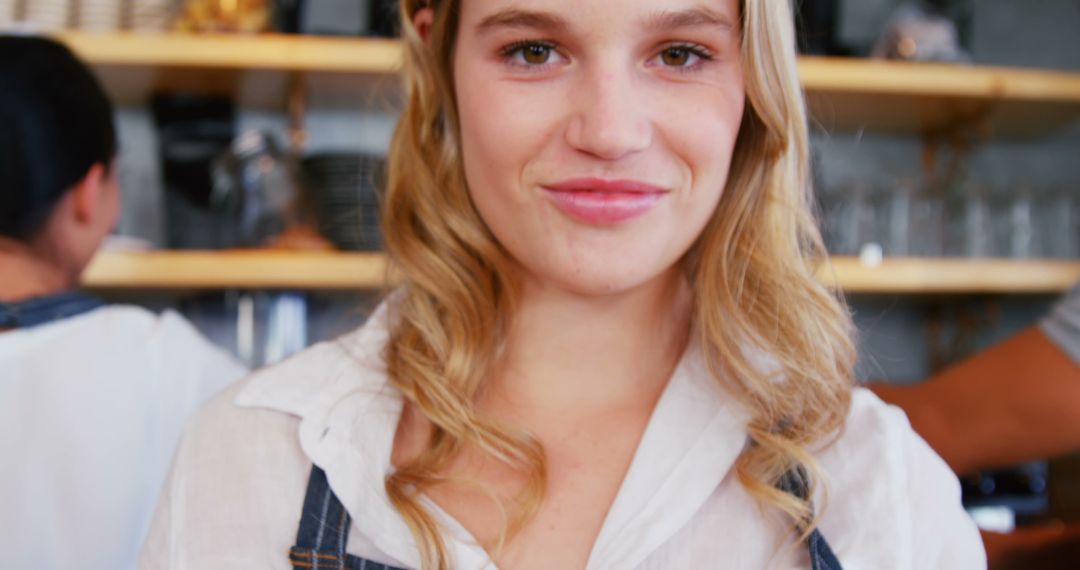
(572,353)
(27,274)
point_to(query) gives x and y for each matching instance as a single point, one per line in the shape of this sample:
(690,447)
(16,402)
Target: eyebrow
(694,18)
(515,18)
(665,20)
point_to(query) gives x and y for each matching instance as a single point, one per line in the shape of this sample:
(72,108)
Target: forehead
(488,16)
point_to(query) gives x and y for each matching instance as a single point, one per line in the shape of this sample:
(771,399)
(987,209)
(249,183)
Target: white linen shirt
(91,409)
(238,484)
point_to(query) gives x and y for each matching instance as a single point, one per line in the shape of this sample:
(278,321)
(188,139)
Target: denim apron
(324,530)
(46,309)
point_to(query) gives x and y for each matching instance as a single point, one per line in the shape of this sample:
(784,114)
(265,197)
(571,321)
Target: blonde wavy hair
(752,272)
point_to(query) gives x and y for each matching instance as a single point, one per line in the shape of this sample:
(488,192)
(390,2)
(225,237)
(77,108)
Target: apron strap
(37,311)
(796,482)
(324,532)
(324,529)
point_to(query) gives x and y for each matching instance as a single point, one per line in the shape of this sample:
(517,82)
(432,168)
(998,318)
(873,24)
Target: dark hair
(55,123)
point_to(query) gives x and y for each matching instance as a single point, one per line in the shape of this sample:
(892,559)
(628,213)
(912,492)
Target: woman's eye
(684,56)
(531,53)
(676,56)
(536,54)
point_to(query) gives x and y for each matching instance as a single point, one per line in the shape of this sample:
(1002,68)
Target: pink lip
(603,202)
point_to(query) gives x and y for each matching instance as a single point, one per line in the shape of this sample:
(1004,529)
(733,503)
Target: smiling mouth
(604,202)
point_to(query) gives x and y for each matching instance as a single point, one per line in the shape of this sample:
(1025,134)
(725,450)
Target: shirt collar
(348,415)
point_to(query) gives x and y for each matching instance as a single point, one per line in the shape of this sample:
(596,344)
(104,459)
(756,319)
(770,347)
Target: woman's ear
(87,192)
(422,20)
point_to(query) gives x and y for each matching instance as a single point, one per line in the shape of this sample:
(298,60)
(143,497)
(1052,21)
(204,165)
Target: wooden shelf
(237,51)
(255,70)
(342,271)
(236,270)
(952,276)
(843,93)
(921,98)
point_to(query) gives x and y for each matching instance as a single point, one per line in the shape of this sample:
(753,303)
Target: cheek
(709,125)
(703,135)
(485,171)
(503,123)
(503,129)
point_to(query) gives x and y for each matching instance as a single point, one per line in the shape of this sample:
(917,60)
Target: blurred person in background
(1015,402)
(92,397)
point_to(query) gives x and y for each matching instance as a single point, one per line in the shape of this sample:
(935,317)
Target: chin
(600,280)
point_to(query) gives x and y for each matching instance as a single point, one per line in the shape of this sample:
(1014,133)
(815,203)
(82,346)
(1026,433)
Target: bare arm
(1015,402)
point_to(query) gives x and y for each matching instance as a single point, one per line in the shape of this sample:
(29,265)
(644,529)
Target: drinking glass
(969,221)
(1058,211)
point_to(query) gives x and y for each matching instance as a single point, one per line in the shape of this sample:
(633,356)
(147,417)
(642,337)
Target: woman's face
(597,134)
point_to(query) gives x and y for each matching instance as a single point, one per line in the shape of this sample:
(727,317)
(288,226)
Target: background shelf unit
(367,271)
(843,94)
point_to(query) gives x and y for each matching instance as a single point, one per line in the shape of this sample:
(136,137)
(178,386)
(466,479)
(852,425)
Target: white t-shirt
(236,491)
(91,408)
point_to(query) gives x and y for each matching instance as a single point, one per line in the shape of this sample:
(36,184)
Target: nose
(610,117)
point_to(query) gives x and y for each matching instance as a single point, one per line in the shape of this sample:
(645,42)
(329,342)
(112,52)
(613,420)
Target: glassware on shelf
(894,217)
(900,218)
(910,219)
(1013,221)
(150,15)
(98,15)
(969,221)
(848,214)
(255,194)
(827,204)
(90,15)
(47,14)
(1058,230)
(927,235)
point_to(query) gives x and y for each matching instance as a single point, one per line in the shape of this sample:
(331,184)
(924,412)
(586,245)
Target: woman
(609,350)
(93,397)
